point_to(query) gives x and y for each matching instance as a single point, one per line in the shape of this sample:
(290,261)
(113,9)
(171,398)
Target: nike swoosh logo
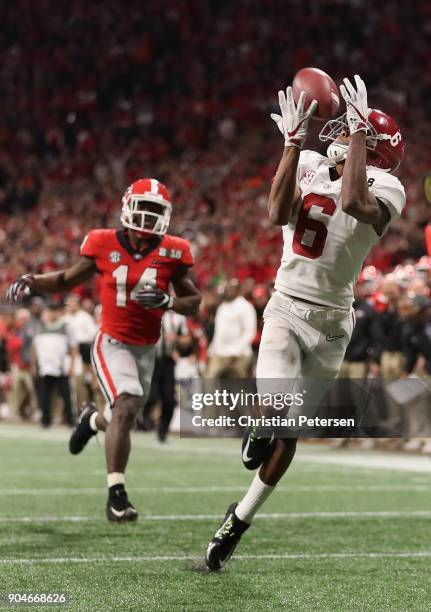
(245,456)
(329,338)
(118,513)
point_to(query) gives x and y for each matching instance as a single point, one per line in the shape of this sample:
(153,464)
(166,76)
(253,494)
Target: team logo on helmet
(384,141)
(114,256)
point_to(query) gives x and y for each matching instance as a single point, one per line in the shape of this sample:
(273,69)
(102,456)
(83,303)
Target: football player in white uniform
(332,211)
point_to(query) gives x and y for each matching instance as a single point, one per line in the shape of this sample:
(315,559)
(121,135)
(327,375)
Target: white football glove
(356,104)
(293,121)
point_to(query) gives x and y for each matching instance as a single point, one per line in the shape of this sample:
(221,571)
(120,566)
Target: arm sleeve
(187,256)
(88,246)
(388,189)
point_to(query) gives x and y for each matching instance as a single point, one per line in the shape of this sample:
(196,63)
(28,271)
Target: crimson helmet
(140,214)
(385,143)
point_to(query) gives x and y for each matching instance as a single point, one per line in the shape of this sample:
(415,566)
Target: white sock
(115,478)
(92,421)
(253,499)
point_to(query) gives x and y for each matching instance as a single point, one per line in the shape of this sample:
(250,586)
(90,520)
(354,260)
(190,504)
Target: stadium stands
(95,96)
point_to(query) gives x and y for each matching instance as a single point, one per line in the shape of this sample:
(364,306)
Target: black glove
(20,288)
(153,297)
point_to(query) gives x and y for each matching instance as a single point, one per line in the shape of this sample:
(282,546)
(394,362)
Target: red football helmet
(385,143)
(147,207)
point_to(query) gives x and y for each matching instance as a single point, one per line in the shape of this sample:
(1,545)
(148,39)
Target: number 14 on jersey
(121,273)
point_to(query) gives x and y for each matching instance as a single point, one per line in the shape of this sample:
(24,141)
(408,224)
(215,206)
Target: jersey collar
(123,240)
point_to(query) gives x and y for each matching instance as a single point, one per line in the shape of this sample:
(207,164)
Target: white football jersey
(324,248)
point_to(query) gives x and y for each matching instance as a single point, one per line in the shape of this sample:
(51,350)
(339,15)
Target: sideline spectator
(53,358)
(414,412)
(415,310)
(230,352)
(6,324)
(33,327)
(174,331)
(362,355)
(84,328)
(22,389)
(365,345)
(392,358)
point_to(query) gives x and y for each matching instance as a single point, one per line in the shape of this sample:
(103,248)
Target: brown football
(318,86)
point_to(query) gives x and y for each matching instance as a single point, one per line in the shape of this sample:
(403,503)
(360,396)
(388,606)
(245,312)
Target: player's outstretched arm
(293,124)
(285,193)
(187,298)
(357,200)
(59,281)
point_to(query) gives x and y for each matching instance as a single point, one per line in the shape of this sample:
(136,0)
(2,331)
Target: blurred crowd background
(95,96)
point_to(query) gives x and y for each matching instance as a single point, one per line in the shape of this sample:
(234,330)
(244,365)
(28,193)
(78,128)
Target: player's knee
(125,409)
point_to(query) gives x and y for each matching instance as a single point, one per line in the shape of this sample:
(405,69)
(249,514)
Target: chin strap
(337,152)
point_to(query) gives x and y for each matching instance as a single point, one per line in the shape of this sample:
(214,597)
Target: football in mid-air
(319,86)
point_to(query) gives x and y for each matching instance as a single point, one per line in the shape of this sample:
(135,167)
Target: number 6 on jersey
(310,234)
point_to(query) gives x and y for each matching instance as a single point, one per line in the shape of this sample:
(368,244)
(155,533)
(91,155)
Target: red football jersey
(124,271)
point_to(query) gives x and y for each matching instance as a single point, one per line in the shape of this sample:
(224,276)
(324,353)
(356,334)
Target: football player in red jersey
(137,265)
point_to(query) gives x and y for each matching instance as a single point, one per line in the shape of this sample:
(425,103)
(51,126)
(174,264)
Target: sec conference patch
(114,256)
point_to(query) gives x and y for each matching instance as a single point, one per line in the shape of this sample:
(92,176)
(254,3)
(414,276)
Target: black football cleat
(255,448)
(83,431)
(225,540)
(118,507)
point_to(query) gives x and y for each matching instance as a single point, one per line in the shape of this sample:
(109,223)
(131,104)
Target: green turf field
(335,536)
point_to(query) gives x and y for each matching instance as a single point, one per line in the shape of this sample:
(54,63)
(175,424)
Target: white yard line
(50,473)
(372,460)
(215,517)
(11,432)
(398,462)
(275,557)
(8,492)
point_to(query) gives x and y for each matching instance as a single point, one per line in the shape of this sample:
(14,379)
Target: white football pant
(302,346)
(121,368)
